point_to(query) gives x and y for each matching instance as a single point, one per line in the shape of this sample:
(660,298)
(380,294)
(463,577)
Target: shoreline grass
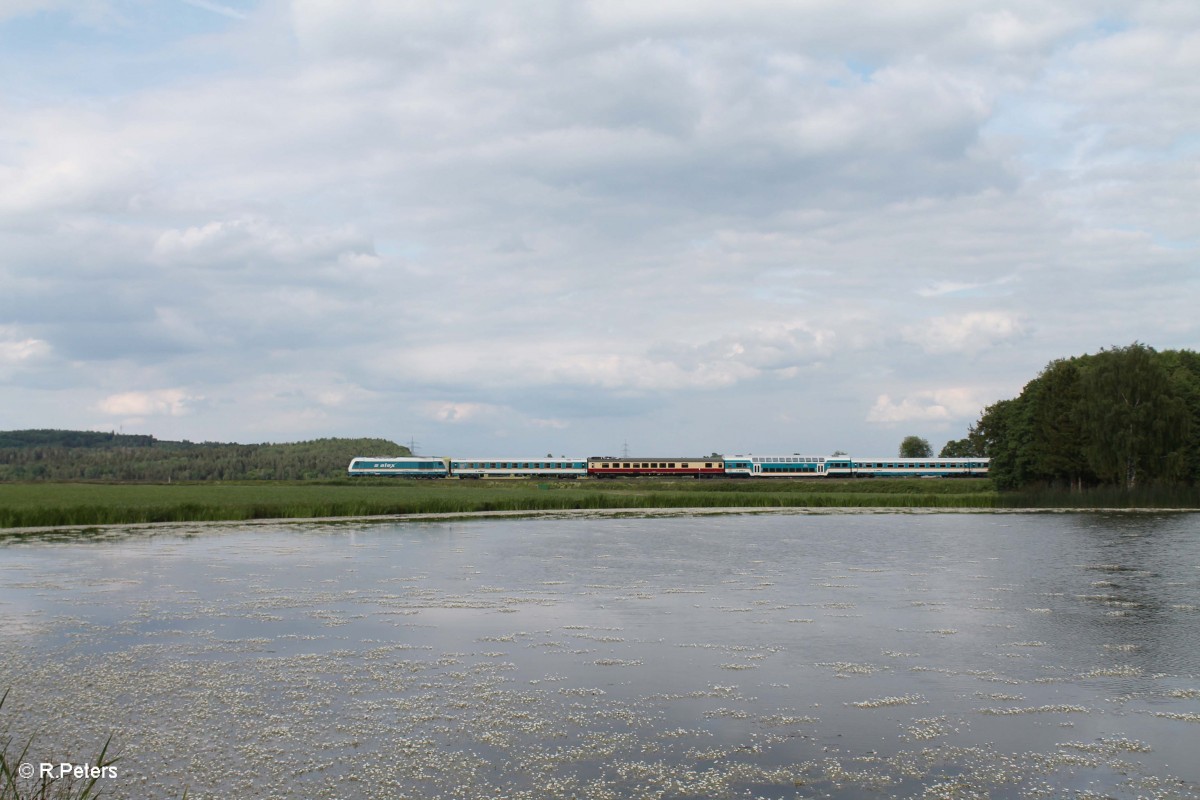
(45,505)
(82,504)
(16,784)
(1161,497)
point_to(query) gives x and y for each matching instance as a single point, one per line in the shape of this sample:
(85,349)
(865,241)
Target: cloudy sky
(512,228)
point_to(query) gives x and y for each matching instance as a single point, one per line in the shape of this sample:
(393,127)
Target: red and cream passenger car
(685,467)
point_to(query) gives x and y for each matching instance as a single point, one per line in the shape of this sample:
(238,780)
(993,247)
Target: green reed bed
(1166,497)
(45,504)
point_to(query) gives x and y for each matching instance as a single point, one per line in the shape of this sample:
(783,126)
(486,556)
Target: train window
(708,465)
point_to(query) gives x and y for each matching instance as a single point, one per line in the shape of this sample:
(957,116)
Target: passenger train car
(798,466)
(519,468)
(747,466)
(793,466)
(845,467)
(680,467)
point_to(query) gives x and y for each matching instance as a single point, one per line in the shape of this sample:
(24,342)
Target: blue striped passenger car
(549,467)
(846,467)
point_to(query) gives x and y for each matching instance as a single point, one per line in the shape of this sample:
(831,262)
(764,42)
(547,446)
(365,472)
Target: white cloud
(15,350)
(932,406)
(470,413)
(217,8)
(155,403)
(456,413)
(964,333)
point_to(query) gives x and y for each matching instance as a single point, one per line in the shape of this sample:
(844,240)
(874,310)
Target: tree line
(54,455)
(1124,417)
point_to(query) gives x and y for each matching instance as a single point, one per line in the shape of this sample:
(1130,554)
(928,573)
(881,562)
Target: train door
(757,468)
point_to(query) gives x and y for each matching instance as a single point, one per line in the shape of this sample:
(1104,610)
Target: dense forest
(1126,417)
(53,455)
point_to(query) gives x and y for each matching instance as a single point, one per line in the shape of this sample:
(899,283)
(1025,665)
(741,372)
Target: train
(712,466)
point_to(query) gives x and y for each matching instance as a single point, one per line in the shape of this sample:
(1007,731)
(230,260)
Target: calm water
(841,655)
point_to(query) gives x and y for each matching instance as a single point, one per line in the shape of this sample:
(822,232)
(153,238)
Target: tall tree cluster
(1124,417)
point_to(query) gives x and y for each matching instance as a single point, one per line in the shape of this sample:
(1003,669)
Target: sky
(584,228)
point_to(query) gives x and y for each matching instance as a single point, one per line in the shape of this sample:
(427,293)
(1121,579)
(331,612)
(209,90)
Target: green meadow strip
(78,504)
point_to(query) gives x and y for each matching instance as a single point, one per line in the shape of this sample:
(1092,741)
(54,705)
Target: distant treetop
(915,447)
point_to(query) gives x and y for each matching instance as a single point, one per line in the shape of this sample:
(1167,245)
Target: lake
(845,655)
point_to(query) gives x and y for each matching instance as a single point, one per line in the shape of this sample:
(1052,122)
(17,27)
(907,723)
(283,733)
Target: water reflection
(781,656)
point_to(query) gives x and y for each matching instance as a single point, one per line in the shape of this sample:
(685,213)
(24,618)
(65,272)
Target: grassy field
(47,504)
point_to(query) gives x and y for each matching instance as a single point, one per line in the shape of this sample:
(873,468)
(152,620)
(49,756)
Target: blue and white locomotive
(399,466)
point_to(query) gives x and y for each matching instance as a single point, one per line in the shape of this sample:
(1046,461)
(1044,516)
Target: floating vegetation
(1047,709)
(786,720)
(1108,745)
(928,728)
(1001,697)
(1120,671)
(884,702)
(1184,717)
(847,668)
